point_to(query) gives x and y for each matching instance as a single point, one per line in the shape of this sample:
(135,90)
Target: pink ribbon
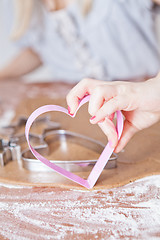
(101,162)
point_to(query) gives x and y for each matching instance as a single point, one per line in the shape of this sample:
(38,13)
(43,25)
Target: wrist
(157,79)
(4,75)
(1,76)
(151,94)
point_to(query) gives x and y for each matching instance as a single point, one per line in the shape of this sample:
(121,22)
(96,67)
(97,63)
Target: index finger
(85,86)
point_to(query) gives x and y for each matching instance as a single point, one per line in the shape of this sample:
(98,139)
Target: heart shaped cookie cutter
(100,164)
(63,138)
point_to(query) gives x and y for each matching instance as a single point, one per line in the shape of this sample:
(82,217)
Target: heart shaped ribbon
(101,162)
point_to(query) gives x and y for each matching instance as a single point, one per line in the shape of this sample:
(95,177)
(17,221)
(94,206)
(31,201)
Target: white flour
(43,213)
(7,117)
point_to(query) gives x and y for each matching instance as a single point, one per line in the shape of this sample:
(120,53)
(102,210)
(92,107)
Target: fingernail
(69,111)
(92,118)
(117,150)
(102,121)
(110,117)
(87,93)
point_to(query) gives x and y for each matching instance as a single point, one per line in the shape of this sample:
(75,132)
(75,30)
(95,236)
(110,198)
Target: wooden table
(127,212)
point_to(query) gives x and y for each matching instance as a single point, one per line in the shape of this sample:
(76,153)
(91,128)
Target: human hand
(139,103)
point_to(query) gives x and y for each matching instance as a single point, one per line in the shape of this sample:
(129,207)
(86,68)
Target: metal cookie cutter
(46,144)
(10,147)
(12,129)
(5,153)
(60,139)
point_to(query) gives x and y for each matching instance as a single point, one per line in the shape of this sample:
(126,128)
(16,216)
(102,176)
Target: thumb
(128,131)
(107,126)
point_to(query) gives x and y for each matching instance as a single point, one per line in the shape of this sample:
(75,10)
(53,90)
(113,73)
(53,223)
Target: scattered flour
(7,117)
(130,211)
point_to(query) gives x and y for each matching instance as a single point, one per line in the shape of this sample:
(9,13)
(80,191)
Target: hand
(139,103)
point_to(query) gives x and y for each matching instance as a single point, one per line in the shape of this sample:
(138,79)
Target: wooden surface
(127,212)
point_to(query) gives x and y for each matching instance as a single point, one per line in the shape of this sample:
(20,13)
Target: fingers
(110,131)
(100,91)
(84,87)
(100,94)
(108,108)
(128,131)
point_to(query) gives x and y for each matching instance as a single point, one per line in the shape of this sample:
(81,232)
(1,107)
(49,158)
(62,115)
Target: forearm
(156,1)
(25,62)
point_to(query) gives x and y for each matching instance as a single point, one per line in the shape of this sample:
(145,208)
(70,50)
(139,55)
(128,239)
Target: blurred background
(7,48)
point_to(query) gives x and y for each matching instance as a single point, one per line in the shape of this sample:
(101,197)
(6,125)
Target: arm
(139,103)
(156,1)
(25,62)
